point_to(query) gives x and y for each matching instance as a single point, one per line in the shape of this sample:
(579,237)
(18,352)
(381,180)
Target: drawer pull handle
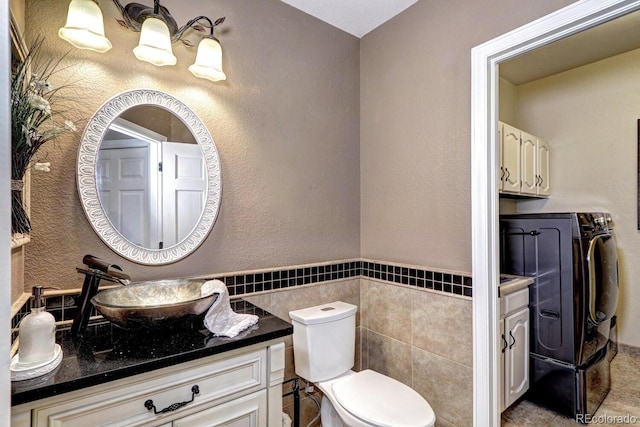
(173,407)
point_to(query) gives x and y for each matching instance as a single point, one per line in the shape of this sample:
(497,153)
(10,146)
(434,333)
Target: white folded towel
(221,320)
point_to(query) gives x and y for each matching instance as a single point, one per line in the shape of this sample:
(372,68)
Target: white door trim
(484,184)
(5,214)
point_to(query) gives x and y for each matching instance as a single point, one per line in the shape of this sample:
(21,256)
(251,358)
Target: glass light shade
(208,63)
(85,27)
(155,43)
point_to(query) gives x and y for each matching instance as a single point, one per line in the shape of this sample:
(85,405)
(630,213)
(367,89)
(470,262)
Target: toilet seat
(382,401)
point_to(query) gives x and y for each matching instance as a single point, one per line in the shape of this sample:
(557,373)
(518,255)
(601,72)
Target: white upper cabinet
(524,163)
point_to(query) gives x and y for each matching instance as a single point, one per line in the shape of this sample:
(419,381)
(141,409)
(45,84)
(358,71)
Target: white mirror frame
(485,60)
(88,190)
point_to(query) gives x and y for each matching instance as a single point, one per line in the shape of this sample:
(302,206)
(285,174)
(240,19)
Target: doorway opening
(484,153)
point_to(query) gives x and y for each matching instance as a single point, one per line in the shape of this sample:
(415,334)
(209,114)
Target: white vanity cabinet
(514,330)
(240,388)
(524,163)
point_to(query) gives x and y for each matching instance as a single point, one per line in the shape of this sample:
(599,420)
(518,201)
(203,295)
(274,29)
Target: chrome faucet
(97,270)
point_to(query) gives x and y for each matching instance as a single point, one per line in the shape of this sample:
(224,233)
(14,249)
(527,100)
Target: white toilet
(324,346)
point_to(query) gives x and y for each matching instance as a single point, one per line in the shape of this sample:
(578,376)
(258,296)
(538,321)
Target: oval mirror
(149,177)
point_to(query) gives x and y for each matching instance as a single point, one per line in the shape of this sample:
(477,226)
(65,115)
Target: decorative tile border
(436,280)
(280,279)
(63,306)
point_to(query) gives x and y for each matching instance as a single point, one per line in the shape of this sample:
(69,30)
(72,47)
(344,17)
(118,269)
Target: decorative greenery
(35,119)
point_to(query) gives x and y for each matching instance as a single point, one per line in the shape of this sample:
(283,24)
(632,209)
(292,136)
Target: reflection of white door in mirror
(123,180)
(128,183)
(184,186)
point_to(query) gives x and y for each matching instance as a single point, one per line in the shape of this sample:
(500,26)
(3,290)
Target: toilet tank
(324,340)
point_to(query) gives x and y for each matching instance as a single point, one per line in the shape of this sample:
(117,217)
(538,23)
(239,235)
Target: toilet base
(328,415)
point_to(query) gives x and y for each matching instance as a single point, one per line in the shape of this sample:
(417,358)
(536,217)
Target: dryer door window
(603,278)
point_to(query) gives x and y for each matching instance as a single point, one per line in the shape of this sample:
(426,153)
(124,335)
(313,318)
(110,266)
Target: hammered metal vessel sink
(154,304)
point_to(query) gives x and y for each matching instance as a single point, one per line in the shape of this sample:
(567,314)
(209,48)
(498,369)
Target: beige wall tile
(447,386)
(346,291)
(389,310)
(262,300)
(294,299)
(364,305)
(284,301)
(443,325)
(388,356)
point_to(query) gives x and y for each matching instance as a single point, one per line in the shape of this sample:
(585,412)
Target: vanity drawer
(218,381)
(250,411)
(513,302)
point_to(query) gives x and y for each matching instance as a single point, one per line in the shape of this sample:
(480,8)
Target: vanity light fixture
(158,29)
(85,26)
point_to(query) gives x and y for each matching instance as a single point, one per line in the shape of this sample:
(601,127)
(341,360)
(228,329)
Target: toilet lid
(382,401)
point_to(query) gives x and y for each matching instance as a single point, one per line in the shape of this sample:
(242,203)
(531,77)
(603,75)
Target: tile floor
(620,408)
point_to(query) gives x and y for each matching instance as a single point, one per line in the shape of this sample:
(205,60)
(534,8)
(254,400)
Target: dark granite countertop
(106,353)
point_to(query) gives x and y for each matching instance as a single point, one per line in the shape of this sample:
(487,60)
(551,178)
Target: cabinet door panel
(511,159)
(247,411)
(544,184)
(529,163)
(516,356)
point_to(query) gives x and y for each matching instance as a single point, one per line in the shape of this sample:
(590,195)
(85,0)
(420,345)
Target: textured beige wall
(508,99)
(286,125)
(18,12)
(589,115)
(415,127)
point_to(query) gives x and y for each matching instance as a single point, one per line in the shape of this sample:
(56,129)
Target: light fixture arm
(191,24)
(134,14)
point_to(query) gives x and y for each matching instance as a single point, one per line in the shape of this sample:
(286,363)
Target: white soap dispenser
(37,333)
